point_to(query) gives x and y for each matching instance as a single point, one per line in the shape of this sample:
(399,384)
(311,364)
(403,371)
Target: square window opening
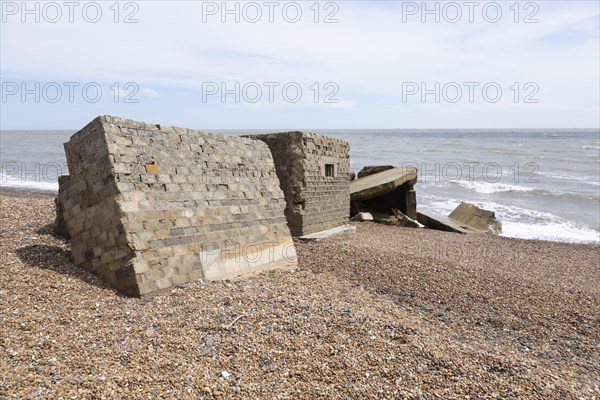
(329,170)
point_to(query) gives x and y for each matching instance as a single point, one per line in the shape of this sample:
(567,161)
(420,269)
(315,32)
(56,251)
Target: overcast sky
(301,65)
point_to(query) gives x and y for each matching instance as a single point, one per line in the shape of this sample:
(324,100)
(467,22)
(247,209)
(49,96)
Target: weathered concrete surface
(149,207)
(405,220)
(476,218)
(373,169)
(314,172)
(315,237)
(442,223)
(402,198)
(362,216)
(381,183)
(384,188)
(466,218)
(396,220)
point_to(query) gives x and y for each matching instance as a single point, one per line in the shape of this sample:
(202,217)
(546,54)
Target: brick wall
(315,202)
(149,207)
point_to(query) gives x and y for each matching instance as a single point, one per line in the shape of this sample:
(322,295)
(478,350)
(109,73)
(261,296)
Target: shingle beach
(386,312)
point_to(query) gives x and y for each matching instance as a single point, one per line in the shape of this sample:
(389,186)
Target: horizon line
(341,129)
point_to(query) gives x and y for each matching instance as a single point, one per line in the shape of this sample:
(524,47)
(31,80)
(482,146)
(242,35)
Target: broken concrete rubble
(382,189)
(466,218)
(362,216)
(442,223)
(397,219)
(476,218)
(405,220)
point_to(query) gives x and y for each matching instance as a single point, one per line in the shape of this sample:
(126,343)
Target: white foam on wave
(591,147)
(522,223)
(492,187)
(553,231)
(8,181)
(533,224)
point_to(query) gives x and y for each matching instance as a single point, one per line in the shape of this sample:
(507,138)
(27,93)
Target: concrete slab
(466,218)
(315,237)
(447,224)
(476,218)
(381,183)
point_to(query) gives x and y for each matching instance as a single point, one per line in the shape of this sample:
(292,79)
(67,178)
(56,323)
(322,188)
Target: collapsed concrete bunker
(148,207)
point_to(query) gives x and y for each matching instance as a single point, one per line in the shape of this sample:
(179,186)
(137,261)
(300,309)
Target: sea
(542,184)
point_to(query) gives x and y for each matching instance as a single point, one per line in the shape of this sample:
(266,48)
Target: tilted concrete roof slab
(379,184)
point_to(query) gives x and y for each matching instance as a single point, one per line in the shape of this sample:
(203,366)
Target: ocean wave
(534,224)
(8,181)
(553,231)
(520,222)
(591,147)
(586,179)
(491,187)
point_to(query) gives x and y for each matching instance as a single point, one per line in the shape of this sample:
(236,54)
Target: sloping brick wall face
(149,207)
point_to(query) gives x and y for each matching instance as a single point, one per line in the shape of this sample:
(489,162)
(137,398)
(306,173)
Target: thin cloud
(369,54)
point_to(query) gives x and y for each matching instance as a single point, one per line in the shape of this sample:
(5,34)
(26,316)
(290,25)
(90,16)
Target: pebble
(66,334)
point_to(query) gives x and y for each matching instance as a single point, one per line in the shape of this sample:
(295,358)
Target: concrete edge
(315,237)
